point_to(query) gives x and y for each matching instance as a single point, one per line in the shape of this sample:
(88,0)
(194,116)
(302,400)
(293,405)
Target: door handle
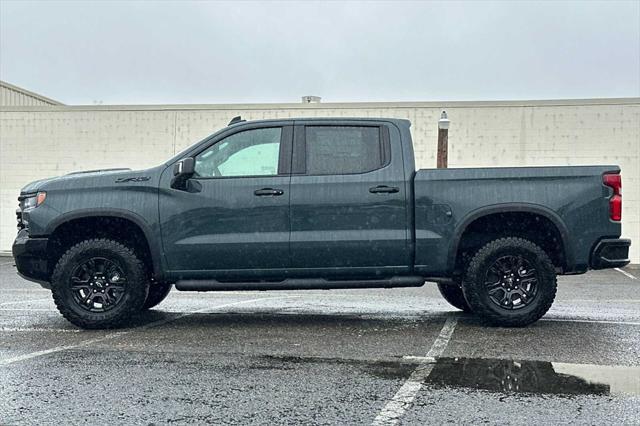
(266,192)
(384,189)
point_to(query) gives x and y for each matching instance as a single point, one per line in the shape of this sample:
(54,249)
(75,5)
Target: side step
(298,284)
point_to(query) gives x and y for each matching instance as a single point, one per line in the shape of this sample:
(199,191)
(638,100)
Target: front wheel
(99,283)
(510,282)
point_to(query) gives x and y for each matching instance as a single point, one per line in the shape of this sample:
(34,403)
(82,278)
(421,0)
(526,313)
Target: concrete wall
(37,142)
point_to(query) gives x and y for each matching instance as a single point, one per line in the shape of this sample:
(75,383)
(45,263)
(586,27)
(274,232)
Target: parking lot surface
(324,357)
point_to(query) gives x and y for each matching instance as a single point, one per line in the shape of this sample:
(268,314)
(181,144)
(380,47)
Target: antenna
(234,120)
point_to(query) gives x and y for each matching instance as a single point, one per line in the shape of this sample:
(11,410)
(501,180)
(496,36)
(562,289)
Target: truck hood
(79,179)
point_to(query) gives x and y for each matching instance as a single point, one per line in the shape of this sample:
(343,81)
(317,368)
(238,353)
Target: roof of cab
(320,120)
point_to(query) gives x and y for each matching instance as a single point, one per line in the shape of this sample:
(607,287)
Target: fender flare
(510,208)
(152,240)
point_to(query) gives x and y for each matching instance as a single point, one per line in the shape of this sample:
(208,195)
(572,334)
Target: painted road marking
(36,354)
(426,359)
(85,343)
(53,330)
(623,272)
(590,321)
(28,310)
(402,400)
(24,301)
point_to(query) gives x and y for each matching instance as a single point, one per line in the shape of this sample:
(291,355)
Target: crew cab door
(233,217)
(348,199)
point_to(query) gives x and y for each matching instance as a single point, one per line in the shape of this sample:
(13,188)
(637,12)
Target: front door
(234,214)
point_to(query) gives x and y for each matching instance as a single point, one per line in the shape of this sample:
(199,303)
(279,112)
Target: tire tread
(89,321)
(470,285)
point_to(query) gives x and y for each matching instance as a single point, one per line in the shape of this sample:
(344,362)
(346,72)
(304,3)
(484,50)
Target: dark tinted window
(335,150)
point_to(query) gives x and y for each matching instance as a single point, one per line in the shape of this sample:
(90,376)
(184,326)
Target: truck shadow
(276,318)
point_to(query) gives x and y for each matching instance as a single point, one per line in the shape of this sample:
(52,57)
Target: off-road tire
(132,300)
(476,294)
(157,293)
(452,293)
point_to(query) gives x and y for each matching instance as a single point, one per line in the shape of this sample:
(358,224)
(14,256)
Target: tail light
(614,181)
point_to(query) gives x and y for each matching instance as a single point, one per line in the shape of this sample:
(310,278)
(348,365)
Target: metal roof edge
(334,105)
(29,93)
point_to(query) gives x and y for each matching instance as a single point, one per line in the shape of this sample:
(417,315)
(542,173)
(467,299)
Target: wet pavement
(324,357)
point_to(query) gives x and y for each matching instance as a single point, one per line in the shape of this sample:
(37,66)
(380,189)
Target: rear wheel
(510,282)
(157,293)
(99,283)
(452,293)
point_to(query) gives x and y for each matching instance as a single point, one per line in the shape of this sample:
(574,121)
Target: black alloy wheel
(511,282)
(98,284)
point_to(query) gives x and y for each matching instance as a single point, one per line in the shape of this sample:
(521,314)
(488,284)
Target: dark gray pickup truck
(316,204)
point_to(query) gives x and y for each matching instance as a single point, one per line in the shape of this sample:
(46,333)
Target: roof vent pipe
(311,99)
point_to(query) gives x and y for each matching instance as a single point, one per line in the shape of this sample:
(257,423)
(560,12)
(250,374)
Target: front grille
(21,201)
(19,218)
(19,212)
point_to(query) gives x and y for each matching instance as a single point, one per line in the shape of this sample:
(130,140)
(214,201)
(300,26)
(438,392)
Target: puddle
(496,375)
(540,377)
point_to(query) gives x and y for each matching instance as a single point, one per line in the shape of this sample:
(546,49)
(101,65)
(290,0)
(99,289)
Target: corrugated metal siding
(12,97)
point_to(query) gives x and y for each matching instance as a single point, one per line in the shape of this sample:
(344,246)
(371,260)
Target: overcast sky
(217,52)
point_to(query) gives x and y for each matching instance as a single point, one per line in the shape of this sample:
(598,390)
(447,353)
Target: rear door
(348,199)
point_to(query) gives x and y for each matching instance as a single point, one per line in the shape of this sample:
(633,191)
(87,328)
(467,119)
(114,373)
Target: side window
(335,150)
(249,153)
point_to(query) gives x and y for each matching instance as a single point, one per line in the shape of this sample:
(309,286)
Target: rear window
(335,150)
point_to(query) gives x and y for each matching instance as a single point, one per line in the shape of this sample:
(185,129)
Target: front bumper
(610,253)
(30,255)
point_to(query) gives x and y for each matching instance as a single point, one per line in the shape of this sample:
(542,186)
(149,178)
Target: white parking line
(24,301)
(36,354)
(603,301)
(28,310)
(56,349)
(625,273)
(402,400)
(590,321)
(27,329)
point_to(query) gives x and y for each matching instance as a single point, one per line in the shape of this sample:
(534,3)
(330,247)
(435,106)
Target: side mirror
(183,170)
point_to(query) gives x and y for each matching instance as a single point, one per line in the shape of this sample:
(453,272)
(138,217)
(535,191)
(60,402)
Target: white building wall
(38,142)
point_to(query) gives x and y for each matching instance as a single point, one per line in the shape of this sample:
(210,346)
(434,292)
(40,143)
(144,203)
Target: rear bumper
(30,255)
(610,253)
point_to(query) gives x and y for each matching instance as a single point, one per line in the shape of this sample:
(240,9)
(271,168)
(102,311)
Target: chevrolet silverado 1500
(316,204)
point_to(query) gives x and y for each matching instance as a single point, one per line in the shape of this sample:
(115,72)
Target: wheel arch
(151,240)
(509,208)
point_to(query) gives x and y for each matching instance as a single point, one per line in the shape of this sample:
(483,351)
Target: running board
(298,284)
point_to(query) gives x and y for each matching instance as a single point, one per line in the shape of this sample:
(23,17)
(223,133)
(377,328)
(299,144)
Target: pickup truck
(323,203)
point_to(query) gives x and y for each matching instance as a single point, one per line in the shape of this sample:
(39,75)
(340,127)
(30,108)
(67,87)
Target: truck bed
(448,200)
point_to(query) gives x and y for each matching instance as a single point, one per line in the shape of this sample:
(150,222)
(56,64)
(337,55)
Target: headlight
(28,203)
(33,201)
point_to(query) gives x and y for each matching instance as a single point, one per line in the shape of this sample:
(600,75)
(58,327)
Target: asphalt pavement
(396,356)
